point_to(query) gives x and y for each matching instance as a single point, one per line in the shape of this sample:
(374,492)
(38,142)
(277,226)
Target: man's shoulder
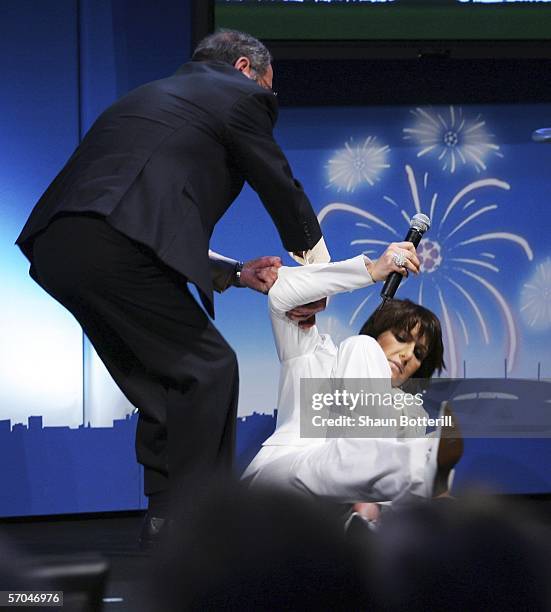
(229,85)
(214,88)
(217,74)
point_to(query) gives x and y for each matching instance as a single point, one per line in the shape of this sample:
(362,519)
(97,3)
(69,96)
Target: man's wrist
(236,280)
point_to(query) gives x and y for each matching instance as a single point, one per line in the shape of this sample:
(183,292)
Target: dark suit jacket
(164,163)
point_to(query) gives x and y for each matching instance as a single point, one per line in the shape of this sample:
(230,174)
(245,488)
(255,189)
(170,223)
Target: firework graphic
(357,164)
(430,256)
(536,298)
(453,139)
(456,259)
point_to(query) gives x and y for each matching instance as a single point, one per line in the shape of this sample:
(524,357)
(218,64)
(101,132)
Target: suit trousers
(158,344)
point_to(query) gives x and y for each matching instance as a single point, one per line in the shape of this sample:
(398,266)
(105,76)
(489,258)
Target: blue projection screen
(486,261)
(486,273)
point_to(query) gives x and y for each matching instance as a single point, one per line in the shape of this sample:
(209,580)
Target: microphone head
(542,135)
(420,222)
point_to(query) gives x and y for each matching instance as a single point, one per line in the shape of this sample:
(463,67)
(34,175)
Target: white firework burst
(429,253)
(357,164)
(453,139)
(452,259)
(536,298)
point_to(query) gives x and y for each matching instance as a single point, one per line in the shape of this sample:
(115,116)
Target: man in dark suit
(127,222)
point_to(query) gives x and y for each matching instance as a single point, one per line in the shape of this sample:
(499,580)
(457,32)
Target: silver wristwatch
(237,274)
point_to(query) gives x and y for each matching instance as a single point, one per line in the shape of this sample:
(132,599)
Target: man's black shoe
(153,530)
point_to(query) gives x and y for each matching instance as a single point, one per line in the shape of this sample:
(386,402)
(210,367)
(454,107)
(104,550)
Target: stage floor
(113,536)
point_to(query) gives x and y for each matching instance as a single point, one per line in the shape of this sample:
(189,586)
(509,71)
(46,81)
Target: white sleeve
(301,285)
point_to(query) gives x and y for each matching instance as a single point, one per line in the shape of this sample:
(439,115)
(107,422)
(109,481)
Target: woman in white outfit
(397,342)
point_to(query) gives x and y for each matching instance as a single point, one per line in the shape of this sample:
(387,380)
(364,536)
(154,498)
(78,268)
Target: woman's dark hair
(229,45)
(405,315)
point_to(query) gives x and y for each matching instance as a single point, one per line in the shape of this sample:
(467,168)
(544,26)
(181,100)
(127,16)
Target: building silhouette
(58,470)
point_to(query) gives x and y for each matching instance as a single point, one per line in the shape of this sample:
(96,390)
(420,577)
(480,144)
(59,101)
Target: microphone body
(419,225)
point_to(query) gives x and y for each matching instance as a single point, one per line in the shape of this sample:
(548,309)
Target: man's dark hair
(403,316)
(229,45)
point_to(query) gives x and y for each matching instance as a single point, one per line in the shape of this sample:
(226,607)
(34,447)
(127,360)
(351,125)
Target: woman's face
(405,352)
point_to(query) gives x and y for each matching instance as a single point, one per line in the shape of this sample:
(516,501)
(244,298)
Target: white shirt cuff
(317,254)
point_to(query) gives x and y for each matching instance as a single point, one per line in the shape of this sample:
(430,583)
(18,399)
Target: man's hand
(305,315)
(261,273)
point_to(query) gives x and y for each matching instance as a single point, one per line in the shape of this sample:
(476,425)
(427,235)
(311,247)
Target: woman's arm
(296,286)
(301,285)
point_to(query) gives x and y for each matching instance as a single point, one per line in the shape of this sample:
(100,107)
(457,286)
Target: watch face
(237,274)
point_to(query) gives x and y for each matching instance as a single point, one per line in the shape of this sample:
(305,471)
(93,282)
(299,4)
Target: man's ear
(243,64)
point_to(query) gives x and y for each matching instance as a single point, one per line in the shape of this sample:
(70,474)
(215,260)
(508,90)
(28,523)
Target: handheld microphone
(419,224)
(542,135)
